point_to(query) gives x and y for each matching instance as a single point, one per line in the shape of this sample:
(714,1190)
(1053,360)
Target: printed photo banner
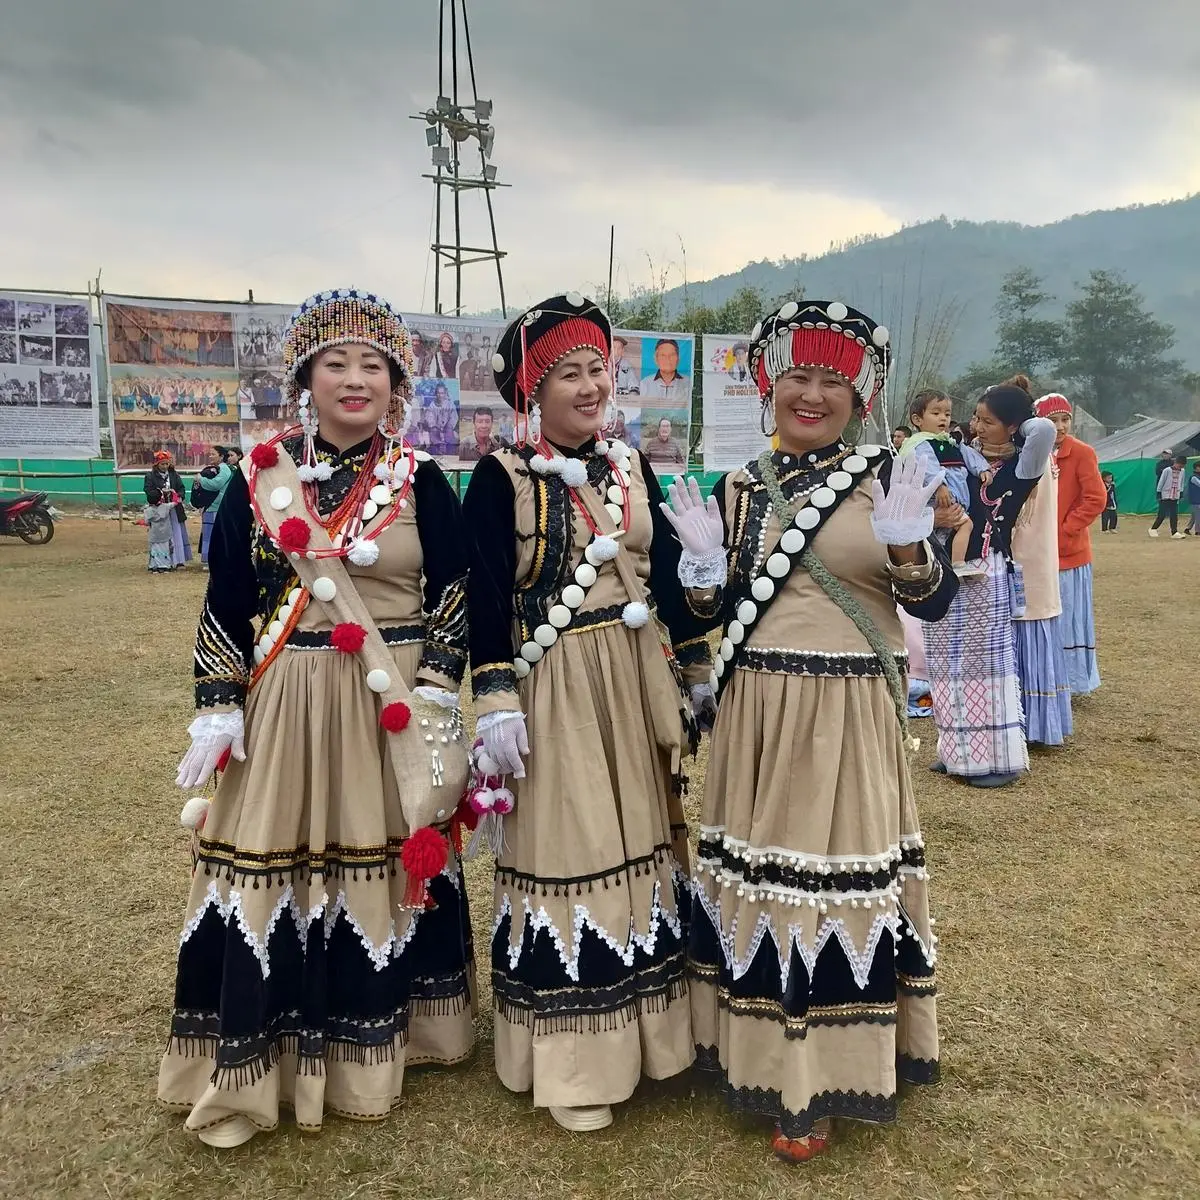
(732,431)
(186,375)
(48,395)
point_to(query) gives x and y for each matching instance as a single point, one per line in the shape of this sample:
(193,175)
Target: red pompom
(423,856)
(264,456)
(348,638)
(223,761)
(395,716)
(294,533)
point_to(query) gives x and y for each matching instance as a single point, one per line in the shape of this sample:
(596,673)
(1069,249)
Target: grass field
(1070,978)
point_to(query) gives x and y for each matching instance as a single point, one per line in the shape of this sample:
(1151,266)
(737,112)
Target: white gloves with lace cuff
(505,739)
(904,515)
(700,531)
(212,734)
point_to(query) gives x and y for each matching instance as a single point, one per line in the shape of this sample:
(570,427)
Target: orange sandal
(801,1149)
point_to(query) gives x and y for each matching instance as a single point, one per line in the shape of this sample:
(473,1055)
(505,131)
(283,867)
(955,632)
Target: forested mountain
(960,264)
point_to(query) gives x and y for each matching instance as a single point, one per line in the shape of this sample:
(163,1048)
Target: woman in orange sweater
(1081,499)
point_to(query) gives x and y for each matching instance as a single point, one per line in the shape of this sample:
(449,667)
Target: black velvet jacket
(249,577)
(494,603)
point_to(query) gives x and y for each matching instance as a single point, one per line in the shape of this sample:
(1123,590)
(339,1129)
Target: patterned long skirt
(1045,692)
(971,654)
(1078,629)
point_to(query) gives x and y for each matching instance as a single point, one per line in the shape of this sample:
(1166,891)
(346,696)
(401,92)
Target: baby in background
(933,442)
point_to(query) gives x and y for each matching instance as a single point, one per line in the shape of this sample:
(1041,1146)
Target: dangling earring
(853,432)
(308,469)
(767,407)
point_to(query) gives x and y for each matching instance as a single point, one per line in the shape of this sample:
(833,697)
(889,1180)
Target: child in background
(1108,518)
(933,442)
(1193,498)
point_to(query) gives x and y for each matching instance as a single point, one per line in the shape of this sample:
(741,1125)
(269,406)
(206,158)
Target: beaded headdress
(1047,406)
(821,333)
(536,341)
(339,317)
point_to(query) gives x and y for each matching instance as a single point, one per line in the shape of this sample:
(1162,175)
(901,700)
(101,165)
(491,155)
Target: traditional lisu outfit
(972,652)
(327,942)
(811,955)
(1037,632)
(167,540)
(1082,497)
(578,622)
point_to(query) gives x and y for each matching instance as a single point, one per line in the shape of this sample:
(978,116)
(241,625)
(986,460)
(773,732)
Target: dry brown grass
(1069,976)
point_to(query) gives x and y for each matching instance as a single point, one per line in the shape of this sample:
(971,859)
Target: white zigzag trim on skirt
(742,848)
(860,961)
(391,947)
(541,919)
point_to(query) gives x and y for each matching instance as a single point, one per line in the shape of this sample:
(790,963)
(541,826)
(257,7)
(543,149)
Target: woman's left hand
(903,515)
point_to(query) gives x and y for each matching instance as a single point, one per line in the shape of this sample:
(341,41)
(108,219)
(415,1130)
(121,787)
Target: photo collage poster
(48,403)
(732,409)
(187,375)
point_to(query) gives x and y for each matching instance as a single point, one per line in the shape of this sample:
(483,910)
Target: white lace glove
(704,705)
(212,734)
(904,516)
(701,533)
(436,695)
(505,739)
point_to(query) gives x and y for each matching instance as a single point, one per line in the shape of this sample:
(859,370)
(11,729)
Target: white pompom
(540,466)
(305,473)
(195,812)
(487,764)
(601,446)
(617,449)
(324,470)
(605,548)
(635,614)
(574,473)
(363,552)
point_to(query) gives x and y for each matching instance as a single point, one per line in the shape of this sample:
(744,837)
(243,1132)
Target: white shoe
(1178,535)
(1154,533)
(233,1131)
(583,1118)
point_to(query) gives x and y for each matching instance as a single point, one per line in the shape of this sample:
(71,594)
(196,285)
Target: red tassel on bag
(422,856)
(294,533)
(348,637)
(395,716)
(264,456)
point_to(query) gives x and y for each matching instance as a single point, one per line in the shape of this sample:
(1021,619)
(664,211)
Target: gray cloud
(267,144)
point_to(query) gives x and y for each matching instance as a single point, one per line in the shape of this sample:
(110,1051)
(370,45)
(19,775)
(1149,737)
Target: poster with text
(732,409)
(188,375)
(48,401)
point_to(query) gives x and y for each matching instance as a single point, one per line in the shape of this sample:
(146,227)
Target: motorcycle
(27,517)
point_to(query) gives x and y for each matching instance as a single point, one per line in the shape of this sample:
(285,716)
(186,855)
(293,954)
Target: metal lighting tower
(453,122)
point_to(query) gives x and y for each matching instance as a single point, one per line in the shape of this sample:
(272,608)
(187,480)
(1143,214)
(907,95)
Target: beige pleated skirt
(303,979)
(588,950)
(811,953)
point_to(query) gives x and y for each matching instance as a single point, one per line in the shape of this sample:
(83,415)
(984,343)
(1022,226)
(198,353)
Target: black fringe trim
(493,680)
(522,881)
(809,881)
(219,694)
(920,1071)
(767,1102)
(797,1025)
(447,661)
(798,662)
(589,1010)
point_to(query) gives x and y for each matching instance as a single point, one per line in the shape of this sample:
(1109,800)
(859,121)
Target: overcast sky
(204,147)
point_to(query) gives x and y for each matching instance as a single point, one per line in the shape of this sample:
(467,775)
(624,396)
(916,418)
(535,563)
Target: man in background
(666,383)
(484,441)
(663,449)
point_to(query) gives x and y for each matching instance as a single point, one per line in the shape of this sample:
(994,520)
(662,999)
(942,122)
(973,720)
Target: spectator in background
(1108,518)
(1170,488)
(900,435)
(1161,464)
(1193,499)
(207,491)
(233,456)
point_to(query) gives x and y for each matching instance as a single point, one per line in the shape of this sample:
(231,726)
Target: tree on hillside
(1116,351)
(1024,341)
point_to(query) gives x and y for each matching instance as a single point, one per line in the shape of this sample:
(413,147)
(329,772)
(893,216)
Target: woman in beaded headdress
(811,955)
(316,962)
(585,659)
